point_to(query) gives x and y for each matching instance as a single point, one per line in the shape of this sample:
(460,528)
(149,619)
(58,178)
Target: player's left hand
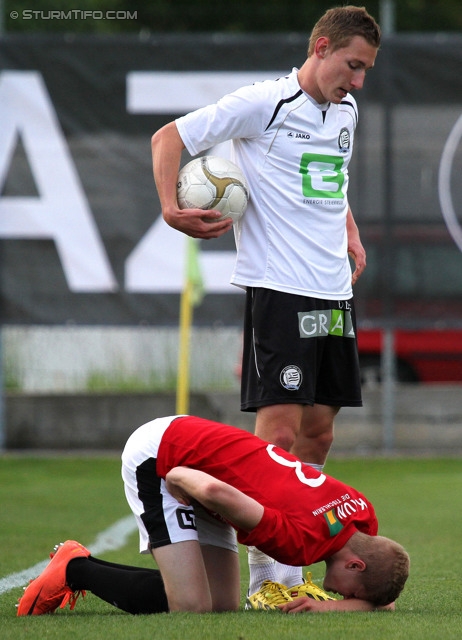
(302,604)
(175,490)
(305,604)
(357,252)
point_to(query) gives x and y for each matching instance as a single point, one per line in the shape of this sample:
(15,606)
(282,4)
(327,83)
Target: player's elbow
(167,135)
(155,139)
(216,495)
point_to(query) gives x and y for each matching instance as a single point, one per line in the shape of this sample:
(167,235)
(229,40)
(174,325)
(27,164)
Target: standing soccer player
(293,138)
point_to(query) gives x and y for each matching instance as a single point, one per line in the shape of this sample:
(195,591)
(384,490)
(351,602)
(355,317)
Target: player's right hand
(198,223)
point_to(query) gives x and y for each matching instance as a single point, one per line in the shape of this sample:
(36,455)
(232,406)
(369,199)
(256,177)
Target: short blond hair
(342,24)
(387,567)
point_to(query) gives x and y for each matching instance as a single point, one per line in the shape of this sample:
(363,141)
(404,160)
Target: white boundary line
(109,540)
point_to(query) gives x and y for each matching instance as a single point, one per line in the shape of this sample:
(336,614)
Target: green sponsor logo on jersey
(333,523)
(322,176)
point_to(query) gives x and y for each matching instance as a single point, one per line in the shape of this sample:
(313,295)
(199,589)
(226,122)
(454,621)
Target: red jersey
(308,516)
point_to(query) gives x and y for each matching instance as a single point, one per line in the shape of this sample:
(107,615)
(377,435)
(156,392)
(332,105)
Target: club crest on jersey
(291,377)
(344,140)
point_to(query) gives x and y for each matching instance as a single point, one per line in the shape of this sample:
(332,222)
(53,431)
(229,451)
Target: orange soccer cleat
(50,591)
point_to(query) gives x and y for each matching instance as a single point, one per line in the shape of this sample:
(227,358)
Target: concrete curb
(427,419)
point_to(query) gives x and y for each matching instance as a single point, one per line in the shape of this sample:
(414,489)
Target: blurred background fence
(91,277)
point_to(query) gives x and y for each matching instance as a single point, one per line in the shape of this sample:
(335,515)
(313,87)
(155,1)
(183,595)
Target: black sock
(132,589)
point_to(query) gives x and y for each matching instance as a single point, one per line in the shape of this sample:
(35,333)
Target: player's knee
(226,604)
(326,439)
(280,433)
(284,439)
(190,604)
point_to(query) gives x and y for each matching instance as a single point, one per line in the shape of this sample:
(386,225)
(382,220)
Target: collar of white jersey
(322,107)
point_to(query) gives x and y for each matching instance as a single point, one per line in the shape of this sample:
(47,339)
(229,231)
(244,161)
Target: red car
(429,355)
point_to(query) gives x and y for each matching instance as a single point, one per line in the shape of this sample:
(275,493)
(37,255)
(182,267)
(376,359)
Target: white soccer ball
(211,182)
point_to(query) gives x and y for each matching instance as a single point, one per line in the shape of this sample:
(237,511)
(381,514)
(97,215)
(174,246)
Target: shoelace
(314,589)
(71,598)
(273,592)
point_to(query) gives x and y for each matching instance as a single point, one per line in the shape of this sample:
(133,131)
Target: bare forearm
(301,605)
(243,512)
(167,147)
(355,247)
(351,223)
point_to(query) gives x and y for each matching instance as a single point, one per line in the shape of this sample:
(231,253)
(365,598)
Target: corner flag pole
(192,294)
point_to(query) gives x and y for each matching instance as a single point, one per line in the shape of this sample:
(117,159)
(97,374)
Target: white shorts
(161,519)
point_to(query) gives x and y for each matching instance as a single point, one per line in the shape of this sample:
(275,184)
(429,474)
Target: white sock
(261,568)
(288,575)
(318,467)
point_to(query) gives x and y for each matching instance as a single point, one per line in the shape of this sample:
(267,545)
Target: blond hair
(387,567)
(341,24)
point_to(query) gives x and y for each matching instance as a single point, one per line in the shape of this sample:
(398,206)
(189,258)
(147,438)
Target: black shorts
(299,350)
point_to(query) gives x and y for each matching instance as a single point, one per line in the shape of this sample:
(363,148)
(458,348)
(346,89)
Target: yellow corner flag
(193,271)
(192,295)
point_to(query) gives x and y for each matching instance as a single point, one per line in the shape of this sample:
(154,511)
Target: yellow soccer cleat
(269,597)
(309,589)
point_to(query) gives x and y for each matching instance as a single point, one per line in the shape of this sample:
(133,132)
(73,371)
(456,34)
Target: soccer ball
(211,182)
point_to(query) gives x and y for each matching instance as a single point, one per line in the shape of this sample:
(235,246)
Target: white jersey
(294,153)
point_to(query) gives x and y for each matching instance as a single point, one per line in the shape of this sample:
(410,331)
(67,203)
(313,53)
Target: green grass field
(48,500)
